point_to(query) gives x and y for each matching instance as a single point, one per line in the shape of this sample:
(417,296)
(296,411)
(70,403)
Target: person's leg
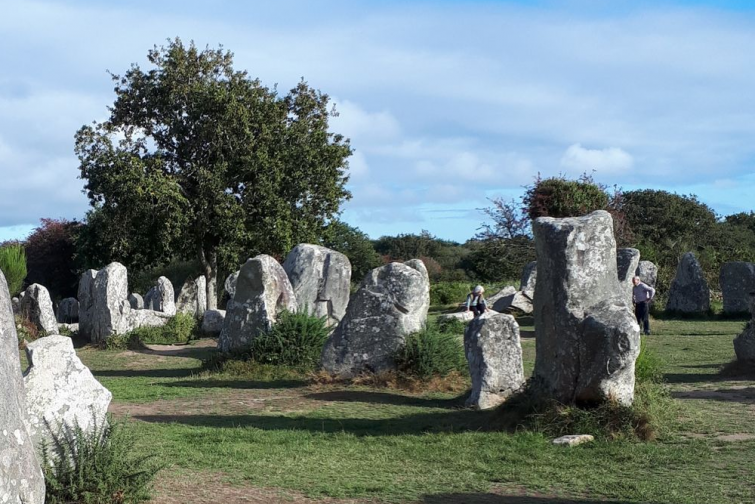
(638,313)
(646,318)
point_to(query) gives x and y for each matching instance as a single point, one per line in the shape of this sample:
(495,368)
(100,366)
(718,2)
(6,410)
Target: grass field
(275,437)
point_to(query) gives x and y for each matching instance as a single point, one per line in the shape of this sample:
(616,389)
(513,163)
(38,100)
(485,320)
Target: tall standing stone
(321,279)
(587,340)
(263,291)
(136,301)
(68,311)
(391,303)
(21,479)
(627,261)
(648,273)
(110,308)
(529,279)
(494,355)
(737,280)
(689,291)
(163,299)
(86,302)
(192,298)
(36,306)
(61,392)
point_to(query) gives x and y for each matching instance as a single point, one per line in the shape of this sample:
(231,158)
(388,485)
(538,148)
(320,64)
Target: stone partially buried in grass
(494,354)
(573,439)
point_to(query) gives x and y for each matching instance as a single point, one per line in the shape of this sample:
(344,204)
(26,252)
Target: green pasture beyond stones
(276,431)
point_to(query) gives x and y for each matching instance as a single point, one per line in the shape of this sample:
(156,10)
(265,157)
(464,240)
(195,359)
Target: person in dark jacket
(642,295)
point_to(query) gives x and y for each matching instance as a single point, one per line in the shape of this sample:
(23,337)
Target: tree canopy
(197,158)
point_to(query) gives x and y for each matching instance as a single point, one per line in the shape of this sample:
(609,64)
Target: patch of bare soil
(215,488)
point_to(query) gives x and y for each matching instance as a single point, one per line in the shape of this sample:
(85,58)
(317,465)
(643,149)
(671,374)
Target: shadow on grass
(147,373)
(417,424)
(239,384)
(386,398)
(489,498)
(744,395)
(674,378)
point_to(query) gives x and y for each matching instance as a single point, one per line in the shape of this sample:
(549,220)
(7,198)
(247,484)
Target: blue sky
(446,103)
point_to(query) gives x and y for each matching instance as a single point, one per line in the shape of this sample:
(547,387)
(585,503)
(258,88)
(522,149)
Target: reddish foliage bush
(50,251)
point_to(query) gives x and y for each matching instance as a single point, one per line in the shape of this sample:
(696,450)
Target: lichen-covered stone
(21,480)
(391,302)
(212,322)
(263,291)
(136,301)
(494,355)
(36,306)
(61,392)
(86,302)
(192,298)
(689,291)
(587,339)
(529,279)
(321,279)
(737,280)
(648,273)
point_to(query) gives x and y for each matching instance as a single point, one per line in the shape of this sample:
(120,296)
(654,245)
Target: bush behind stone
(431,353)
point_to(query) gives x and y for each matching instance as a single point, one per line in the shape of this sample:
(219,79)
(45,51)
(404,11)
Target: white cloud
(610,160)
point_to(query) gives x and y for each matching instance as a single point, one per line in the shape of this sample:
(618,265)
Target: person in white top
(642,295)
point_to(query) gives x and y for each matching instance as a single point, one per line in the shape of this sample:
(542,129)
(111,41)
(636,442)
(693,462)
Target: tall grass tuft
(296,339)
(97,467)
(13,266)
(649,366)
(430,353)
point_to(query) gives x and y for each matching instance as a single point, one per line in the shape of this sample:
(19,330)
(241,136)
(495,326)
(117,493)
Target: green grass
(359,442)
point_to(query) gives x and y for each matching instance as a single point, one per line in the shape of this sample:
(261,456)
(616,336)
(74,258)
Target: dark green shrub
(430,353)
(444,293)
(96,468)
(128,341)
(182,328)
(296,339)
(649,366)
(450,325)
(13,266)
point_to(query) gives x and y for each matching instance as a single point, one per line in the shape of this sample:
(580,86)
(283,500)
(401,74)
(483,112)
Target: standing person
(642,295)
(476,301)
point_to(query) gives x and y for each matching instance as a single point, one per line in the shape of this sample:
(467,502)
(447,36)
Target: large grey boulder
(192,298)
(744,344)
(627,261)
(61,391)
(648,273)
(86,302)
(689,291)
(68,311)
(162,298)
(212,321)
(529,279)
(505,292)
(737,280)
(36,306)
(21,479)
(145,318)
(263,291)
(321,279)
(494,355)
(136,301)
(587,340)
(391,303)
(515,302)
(110,307)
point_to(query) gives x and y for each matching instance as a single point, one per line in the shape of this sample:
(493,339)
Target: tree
(198,158)
(355,245)
(50,257)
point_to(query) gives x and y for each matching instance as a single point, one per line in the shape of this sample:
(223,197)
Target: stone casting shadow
(147,373)
(238,384)
(363,396)
(418,424)
(489,498)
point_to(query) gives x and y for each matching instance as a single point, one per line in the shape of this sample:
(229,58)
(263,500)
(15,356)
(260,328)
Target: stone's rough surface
(648,273)
(21,478)
(627,262)
(689,291)
(587,340)
(150,298)
(321,279)
(145,318)
(36,306)
(212,322)
(230,284)
(262,292)
(192,298)
(164,297)
(494,354)
(465,316)
(505,292)
(86,302)
(737,281)
(744,344)
(573,439)
(110,308)
(136,301)
(68,311)
(391,303)
(529,279)
(514,302)
(61,391)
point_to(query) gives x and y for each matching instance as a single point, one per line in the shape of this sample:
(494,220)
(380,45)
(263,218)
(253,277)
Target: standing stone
(86,302)
(514,302)
(150,298)
(68,311)
(391,303)
(529,278)
(505,292)
(321,279)
(192,298)
(648,273)
(21,479)
(737,281)
(689,291)
(61,391)
(110,307)
(212,321)
(494,354)
(627,262)
(263,291)
(36,306)
(587,340)
(136,301)
(230,284)
(163,299)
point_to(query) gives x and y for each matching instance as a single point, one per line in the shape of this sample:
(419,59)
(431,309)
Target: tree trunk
(210,265)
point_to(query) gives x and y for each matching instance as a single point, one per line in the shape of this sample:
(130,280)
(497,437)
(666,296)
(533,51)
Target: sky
(447,103)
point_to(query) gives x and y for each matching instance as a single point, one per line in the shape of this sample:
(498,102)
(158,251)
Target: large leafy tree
(199,159)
